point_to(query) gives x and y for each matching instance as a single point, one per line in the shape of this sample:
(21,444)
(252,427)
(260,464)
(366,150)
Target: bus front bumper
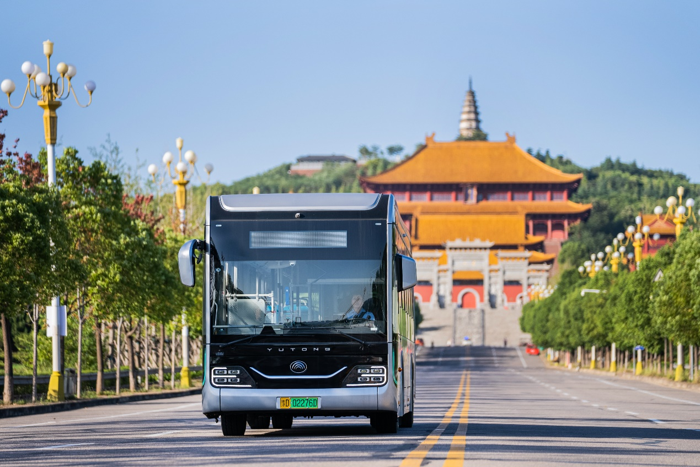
(340,401)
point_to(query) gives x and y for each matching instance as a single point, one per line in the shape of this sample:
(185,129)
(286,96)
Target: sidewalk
(33,409)
(657,380)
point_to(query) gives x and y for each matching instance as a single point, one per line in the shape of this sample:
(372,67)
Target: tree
(92,198)
(30,216)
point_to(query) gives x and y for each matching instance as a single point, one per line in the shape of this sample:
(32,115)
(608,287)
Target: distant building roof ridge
(325,158)
(472,162)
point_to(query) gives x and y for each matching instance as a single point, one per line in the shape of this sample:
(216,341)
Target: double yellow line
(455,457)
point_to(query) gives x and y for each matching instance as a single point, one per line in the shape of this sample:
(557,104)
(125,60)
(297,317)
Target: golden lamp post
(677,210)
(49,94)
(183,175)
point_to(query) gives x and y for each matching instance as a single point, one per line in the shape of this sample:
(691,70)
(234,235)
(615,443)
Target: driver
(356,310)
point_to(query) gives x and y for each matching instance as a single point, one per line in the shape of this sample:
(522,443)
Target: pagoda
(487,219)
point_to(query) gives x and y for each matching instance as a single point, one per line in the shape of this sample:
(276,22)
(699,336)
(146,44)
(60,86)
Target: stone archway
(462,293)
(418,297)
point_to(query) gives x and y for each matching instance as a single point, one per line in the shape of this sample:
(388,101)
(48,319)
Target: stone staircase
(444,326)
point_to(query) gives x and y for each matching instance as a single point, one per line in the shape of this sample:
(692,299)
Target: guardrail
(108,375)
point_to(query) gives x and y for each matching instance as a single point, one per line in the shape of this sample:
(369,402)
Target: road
(475,406)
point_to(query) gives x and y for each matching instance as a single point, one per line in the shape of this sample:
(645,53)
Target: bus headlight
(366,375)
(231,377)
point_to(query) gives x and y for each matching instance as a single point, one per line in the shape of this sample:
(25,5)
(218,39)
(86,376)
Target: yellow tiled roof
(467,276)
(538,257)
(472,162)
(494,207)
(436,229)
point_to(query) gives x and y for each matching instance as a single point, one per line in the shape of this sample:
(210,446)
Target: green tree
(30,217)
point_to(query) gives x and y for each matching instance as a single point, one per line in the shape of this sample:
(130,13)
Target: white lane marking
(522,360)
(495,359)
(574,397)
(610,408)
(565,393)
(655,420)
(63,446)
(558,390)
(33,424)
(648,392)
(584,401)
(161,434)
(595,405)
(632,413)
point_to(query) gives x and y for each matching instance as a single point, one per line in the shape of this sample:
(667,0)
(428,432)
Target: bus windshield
(298,282)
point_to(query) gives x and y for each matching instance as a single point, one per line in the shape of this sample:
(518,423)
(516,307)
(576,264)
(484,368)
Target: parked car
(531,350)
(420,341)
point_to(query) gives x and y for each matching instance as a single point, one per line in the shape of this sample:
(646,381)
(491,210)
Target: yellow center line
(415,458)
(459,441)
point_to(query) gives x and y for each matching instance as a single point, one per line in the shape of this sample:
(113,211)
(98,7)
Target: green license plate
(298,402)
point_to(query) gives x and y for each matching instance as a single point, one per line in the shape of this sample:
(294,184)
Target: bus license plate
(298,402)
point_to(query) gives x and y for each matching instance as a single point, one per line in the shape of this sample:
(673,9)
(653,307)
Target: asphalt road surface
(475,406)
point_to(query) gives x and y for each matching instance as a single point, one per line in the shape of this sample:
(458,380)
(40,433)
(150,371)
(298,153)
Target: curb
(656,380)
(73,405)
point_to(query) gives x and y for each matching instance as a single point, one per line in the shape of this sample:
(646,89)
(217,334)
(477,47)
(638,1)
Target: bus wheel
(233,424)
(282,421)
(259,422)
(406,421)
(385,422)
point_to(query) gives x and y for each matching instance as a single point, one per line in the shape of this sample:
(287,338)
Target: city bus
(308,310)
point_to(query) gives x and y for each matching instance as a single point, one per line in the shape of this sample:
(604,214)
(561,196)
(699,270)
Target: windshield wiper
(247,338)
(350,336)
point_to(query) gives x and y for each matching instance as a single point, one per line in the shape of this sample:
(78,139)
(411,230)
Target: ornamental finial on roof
(430,139)
(510,138)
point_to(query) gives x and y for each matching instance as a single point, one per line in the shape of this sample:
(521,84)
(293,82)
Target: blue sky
(250,85)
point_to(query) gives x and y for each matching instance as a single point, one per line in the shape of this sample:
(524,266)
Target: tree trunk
(130,355)
(79,368)
(161,351)
(145,351)
(99,384)
(7,346)
(172,360)
(110,346)
(35,332)
(118,362)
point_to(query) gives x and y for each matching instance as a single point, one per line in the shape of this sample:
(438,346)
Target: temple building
(487,219)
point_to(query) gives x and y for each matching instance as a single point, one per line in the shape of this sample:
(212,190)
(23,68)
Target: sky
(251,85)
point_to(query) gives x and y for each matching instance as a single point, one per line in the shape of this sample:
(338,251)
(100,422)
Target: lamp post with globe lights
(49,94)
(680,213)
(182,177)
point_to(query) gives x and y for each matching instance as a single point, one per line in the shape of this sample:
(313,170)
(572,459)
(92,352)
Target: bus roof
(300,202)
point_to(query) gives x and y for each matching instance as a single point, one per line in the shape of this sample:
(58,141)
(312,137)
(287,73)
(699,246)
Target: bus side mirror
(185,260)
(406,272)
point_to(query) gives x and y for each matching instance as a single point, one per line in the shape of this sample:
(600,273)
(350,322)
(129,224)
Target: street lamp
(677,210)
(182,177)
(49,94)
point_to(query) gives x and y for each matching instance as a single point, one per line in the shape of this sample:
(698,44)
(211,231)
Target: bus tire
(406,421)
(385,422)
(233,424)
(259,422)
(283,422)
